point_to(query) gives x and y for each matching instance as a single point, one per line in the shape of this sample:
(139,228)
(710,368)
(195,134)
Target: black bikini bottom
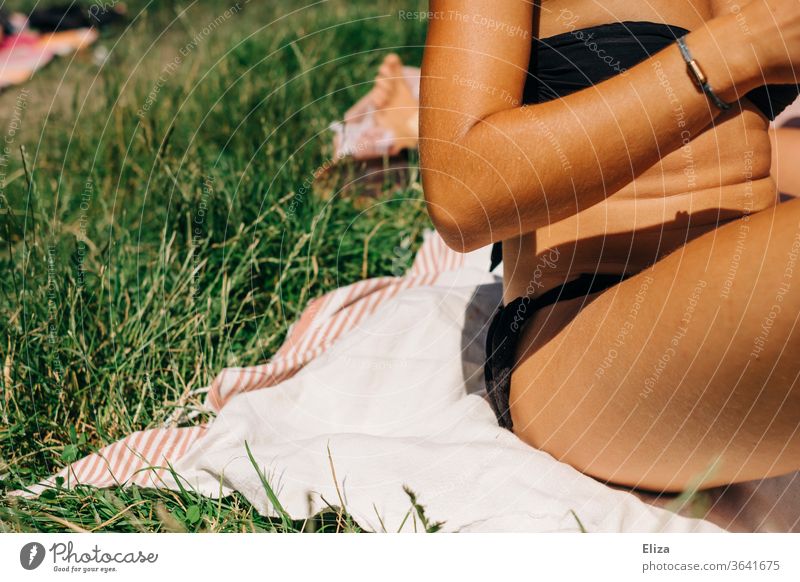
(505,329)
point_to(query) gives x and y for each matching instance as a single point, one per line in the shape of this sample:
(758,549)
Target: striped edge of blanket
(143,457)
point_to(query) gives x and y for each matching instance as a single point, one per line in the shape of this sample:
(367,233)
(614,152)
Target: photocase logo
(31,555)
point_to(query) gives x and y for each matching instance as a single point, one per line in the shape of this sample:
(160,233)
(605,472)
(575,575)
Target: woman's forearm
(522,168)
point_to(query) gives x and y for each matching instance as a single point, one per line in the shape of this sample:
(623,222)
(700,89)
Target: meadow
(160,220)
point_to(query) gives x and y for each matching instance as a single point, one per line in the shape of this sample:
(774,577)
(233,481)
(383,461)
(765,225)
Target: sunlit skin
(670,376)
(785,156)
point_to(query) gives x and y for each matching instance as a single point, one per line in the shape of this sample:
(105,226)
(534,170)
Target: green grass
(157,225)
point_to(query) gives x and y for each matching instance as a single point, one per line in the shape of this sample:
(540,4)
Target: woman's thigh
(685,372)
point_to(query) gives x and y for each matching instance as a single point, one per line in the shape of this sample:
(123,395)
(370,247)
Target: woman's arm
(492,169)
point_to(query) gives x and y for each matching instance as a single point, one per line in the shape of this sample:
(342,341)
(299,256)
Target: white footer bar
(351,557)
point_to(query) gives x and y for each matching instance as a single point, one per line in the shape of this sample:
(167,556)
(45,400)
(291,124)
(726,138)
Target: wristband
(699,76)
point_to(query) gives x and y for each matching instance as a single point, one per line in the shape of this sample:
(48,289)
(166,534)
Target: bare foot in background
(385,121)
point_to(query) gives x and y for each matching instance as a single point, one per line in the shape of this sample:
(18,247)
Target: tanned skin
(688,369)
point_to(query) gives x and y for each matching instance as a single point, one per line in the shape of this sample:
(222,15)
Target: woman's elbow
(451,217)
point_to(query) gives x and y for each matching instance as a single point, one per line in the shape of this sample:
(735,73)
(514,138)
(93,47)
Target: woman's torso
(719,175)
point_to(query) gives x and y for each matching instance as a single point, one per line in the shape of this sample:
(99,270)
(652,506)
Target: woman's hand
(771,30)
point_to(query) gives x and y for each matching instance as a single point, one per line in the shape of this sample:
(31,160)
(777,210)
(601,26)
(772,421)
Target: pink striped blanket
(386,374)
(142,458)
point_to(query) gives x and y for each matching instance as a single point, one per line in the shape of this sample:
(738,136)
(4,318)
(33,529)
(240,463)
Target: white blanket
(396,402)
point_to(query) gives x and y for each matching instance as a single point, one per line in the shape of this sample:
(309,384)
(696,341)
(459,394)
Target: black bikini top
(577,59)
